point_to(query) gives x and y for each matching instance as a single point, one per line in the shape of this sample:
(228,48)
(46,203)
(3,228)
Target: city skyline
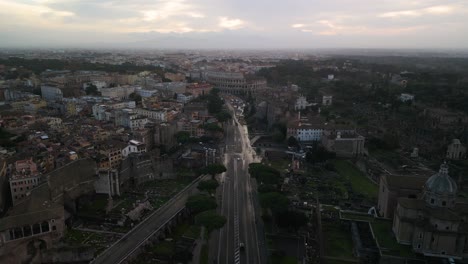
(234,24)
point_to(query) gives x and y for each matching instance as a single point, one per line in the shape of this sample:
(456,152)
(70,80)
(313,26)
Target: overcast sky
(235,23)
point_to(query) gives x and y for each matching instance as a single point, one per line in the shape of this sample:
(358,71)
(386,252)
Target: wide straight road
(120,250)
(241,239)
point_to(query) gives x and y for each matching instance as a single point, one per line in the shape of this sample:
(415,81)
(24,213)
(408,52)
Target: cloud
(228,23)
(335,28)
(298,25)
(328,23)
(433,10)
(171,8)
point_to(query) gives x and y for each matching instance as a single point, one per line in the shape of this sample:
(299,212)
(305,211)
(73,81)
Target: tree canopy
(92,90)
(291,219)
(275,201)
(210,220)
(209,185)
(200,203)
(135,97)
(215,103)
(319,154)
(278,132)
(182,137)
(40,65)
(213,169)
(212,127)
(223,116)
(292,142)
(264,174)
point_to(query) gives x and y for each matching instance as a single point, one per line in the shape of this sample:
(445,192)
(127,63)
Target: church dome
(441,183)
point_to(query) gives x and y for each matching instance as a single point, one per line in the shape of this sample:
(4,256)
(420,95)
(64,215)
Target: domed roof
(441,182)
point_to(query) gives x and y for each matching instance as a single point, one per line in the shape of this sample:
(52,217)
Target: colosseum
(235,82)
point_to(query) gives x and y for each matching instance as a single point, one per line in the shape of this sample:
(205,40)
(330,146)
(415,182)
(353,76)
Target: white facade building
(103,111)
(50,93)
(121,92)
(146,93)
(404,97)
(301,103)
(309,134)
(156,115)
(305,132)
(327,100)
(99,111)
(456,151)
(134,146)
(184,97)
(99,85)
(136,122)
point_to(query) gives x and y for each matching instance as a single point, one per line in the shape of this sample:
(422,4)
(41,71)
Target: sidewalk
(98,231)
(198,247)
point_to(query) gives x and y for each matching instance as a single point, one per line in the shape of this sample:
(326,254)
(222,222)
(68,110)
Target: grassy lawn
(126,202)
(166,251)
(160,191)
(283,260)
(204,255)
(80,238)
(359,182)
(183,172)
(341,261)
(76,237)
(327,207)
(338,241)
(158,202)
(181,230)
(390,158)
(168,187)
(98,206)
(164,248)
(362,217)
(192,232)
(387,242)
(281,164)
(384,235)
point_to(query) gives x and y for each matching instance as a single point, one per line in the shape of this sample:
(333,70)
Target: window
(443,252)
(432,201)
(45,226)
(447,228)
(27,231)
(419,245)
(420,235)
(18,232)
(444,203)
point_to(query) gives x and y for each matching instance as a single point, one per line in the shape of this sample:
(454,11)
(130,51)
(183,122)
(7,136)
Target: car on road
(241,246)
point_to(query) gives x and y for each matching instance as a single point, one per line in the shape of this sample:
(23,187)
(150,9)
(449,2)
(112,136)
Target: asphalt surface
(120,250)
(239,204)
